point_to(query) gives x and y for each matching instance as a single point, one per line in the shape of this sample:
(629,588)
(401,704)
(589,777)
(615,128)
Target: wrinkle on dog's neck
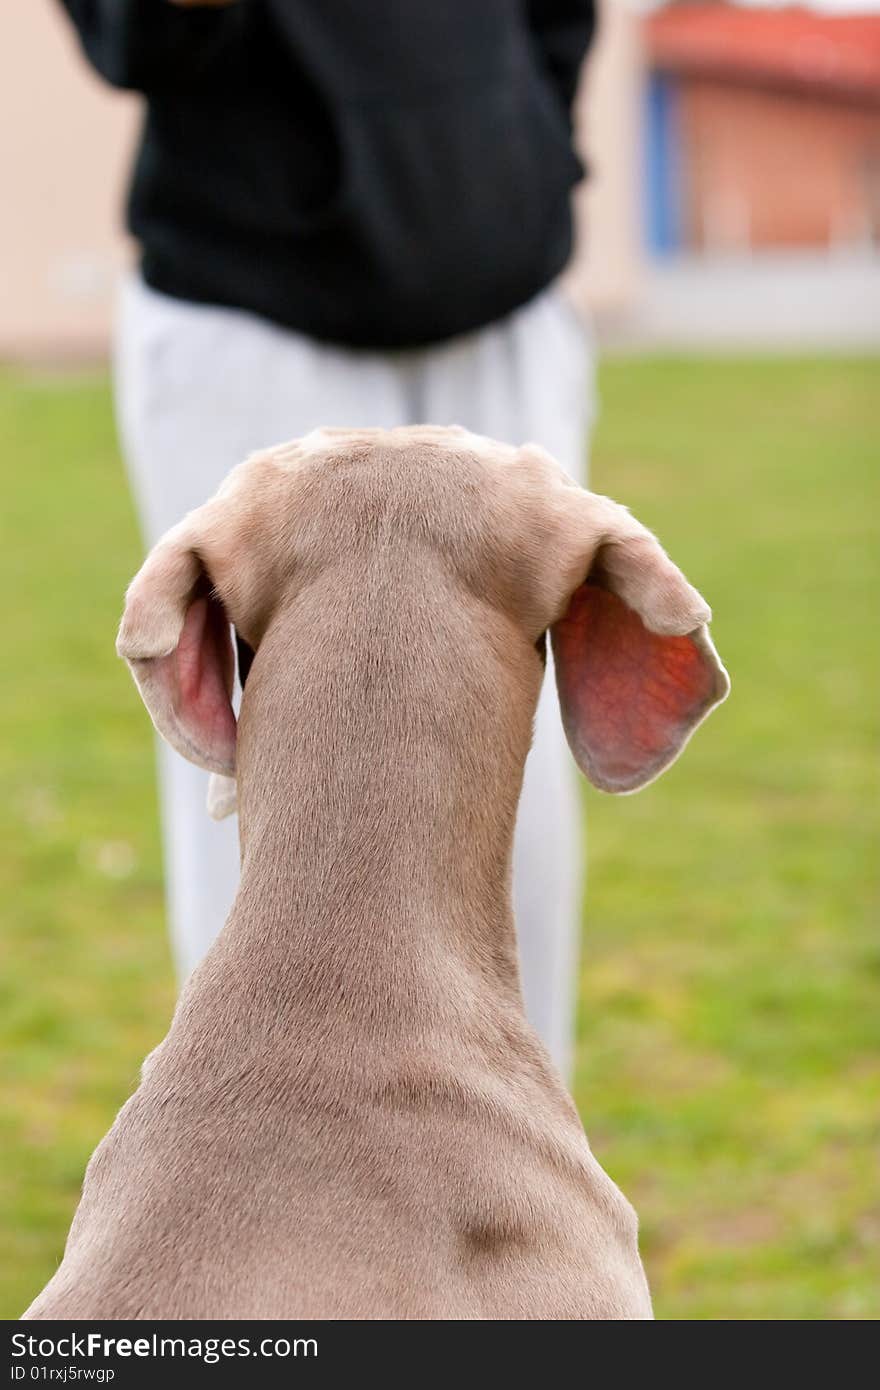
(379,780)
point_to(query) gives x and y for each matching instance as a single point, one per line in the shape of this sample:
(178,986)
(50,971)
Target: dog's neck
(380,770)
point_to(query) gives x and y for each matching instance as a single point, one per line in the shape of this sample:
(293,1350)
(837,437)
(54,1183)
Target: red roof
(793,46)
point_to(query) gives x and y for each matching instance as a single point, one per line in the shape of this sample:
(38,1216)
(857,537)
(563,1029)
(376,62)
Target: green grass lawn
(728,1067)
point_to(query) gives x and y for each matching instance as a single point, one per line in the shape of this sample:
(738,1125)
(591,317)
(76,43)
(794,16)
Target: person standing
(351,214)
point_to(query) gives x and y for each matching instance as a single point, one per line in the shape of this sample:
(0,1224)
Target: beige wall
(65,140)
(606,272)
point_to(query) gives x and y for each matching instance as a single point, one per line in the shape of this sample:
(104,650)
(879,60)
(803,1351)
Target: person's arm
(563,31)
(150,45)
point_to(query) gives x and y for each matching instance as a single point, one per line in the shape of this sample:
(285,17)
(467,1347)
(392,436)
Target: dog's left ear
(175,636)
(635,666)
(222,798)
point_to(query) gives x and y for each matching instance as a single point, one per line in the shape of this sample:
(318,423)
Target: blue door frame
(663,172)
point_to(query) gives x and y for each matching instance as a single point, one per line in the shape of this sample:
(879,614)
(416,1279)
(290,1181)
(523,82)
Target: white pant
(198,388)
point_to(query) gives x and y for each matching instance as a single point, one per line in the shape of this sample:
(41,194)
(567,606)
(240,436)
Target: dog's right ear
(635,666)
(175,636)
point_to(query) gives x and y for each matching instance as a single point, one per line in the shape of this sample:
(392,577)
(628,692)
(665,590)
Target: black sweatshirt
(380,173)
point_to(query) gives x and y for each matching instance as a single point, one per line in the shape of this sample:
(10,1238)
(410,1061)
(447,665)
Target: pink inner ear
(630,697)
(205,667)
(189,691)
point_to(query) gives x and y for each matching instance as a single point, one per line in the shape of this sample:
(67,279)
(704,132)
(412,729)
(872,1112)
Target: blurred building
(733,198)
(763,129)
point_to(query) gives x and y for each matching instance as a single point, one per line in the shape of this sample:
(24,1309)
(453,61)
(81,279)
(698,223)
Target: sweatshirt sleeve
(151,45)
(563,31)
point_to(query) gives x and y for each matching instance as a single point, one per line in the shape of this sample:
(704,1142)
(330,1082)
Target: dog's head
(506,528)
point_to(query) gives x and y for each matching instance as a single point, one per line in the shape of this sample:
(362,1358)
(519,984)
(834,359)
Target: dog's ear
(175,636)
(635,666)
(223,791)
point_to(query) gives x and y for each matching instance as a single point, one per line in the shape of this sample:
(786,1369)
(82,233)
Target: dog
(350,1116)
